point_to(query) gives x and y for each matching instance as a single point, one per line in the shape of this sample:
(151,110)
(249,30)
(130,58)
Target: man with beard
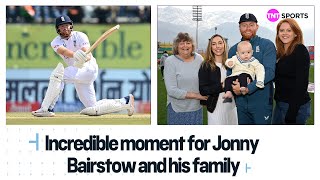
(254,105)
(81,70)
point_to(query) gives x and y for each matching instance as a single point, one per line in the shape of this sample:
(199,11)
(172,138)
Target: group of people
(240,90)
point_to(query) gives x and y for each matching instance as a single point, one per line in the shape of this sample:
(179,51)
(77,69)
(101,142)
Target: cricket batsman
(81,70)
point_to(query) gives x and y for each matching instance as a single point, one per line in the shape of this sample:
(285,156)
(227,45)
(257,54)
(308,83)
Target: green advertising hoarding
(28,46)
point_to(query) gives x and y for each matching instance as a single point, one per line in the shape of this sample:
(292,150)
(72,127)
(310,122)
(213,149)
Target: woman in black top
(292,75)
(212,74)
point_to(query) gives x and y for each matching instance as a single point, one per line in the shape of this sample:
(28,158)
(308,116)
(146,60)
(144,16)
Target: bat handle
(88,51)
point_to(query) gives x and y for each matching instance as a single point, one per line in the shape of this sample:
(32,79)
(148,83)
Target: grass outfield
(73,118)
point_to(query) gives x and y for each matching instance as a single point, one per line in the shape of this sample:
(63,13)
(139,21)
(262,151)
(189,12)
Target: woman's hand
(236,87)
(193,95)
(202,97)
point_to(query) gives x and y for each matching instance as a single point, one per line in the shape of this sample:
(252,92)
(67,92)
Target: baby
(243,66)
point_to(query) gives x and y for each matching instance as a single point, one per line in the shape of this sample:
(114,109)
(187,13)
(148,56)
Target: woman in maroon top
(292,75)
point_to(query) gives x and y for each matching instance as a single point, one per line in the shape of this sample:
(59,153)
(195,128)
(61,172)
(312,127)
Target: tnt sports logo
(273,15)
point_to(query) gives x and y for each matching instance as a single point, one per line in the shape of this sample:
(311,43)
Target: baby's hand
(230,63)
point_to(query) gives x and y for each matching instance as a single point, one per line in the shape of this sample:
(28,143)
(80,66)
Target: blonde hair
(180,38)
(209,58)
(297,40)
(242,44)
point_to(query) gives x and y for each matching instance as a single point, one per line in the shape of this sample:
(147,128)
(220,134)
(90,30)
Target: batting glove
(80,58)
(78,64)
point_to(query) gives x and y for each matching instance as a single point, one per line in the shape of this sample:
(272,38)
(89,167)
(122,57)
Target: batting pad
(53,90)
(105,106)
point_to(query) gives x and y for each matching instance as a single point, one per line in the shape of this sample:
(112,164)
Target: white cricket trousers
(83,81)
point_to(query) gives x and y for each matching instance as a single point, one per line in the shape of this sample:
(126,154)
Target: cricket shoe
(43,113)
(131,105)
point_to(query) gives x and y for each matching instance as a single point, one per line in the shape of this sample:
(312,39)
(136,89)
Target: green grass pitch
(74,118)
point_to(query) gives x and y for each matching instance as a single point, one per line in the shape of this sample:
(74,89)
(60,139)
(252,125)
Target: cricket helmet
(63,20)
